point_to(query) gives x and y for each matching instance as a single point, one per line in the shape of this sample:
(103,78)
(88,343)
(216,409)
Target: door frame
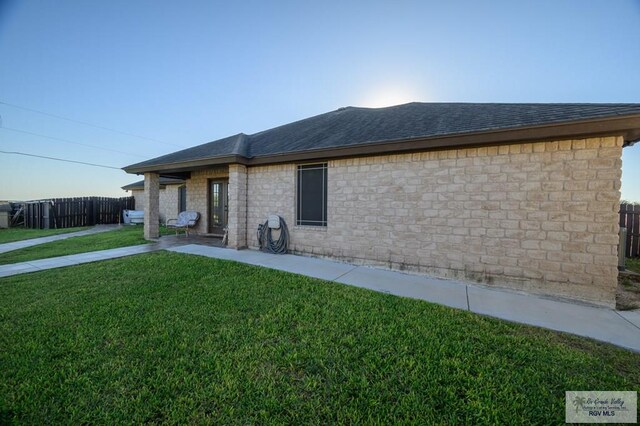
(218,230)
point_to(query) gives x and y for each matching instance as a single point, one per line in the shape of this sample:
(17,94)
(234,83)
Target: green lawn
(173,338)
(18,234)
(633,264)
(125,236)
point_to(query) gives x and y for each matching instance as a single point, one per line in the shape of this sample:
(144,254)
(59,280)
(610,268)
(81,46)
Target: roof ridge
(241,145)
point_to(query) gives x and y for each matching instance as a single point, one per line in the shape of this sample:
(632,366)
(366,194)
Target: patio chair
(187,219)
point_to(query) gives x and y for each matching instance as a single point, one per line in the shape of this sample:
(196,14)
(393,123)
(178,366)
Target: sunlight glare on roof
(388,96)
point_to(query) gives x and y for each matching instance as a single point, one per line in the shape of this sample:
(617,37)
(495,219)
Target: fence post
(91,219)
(622,248)
(635,249)
(630,219)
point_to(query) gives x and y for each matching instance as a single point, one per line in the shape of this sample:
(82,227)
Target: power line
(59,159)
(87,124)
(70,141)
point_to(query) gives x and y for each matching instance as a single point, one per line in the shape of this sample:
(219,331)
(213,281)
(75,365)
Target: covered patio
(218,193)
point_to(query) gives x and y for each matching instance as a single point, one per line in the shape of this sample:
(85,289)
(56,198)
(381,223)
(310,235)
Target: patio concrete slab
(589,321)
(443,292)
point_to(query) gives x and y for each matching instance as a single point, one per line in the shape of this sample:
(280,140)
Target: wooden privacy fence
(78,211)
(630,219)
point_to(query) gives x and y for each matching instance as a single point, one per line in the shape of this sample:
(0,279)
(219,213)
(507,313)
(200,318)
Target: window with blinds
(311,209)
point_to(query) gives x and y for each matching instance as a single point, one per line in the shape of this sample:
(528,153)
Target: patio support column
(237,222)
(151,206)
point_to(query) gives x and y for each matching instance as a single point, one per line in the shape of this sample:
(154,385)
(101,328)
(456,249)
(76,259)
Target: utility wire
(59,159)
(70,141)
(86,123)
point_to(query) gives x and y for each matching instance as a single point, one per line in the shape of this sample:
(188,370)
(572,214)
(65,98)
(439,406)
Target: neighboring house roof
(164,181)
(414,126)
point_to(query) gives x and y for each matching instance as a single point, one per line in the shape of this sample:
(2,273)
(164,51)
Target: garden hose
(266,242)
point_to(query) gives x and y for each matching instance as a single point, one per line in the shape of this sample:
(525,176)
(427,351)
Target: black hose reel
(265,236)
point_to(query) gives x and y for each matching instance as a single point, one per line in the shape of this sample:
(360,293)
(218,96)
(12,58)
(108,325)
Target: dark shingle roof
(163,182)
(353,126)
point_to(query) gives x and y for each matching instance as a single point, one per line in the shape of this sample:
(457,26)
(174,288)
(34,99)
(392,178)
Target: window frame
(300,168)
(182,198)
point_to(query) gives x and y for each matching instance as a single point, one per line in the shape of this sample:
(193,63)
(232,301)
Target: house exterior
(172,197)
(523,196)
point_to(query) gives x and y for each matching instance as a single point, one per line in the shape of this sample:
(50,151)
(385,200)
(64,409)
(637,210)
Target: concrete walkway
(16,245)
(621,328)
(165,242)
(74,259)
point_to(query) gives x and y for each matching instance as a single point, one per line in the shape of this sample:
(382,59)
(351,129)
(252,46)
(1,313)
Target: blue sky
(185,73)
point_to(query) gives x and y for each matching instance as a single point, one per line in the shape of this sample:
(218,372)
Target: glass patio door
(218,206)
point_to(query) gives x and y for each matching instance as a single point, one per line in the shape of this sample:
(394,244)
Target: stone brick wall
(237,220)
(540,217)
(272,190)
(168,201)
(151,205)
(138,195)
(198,193)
